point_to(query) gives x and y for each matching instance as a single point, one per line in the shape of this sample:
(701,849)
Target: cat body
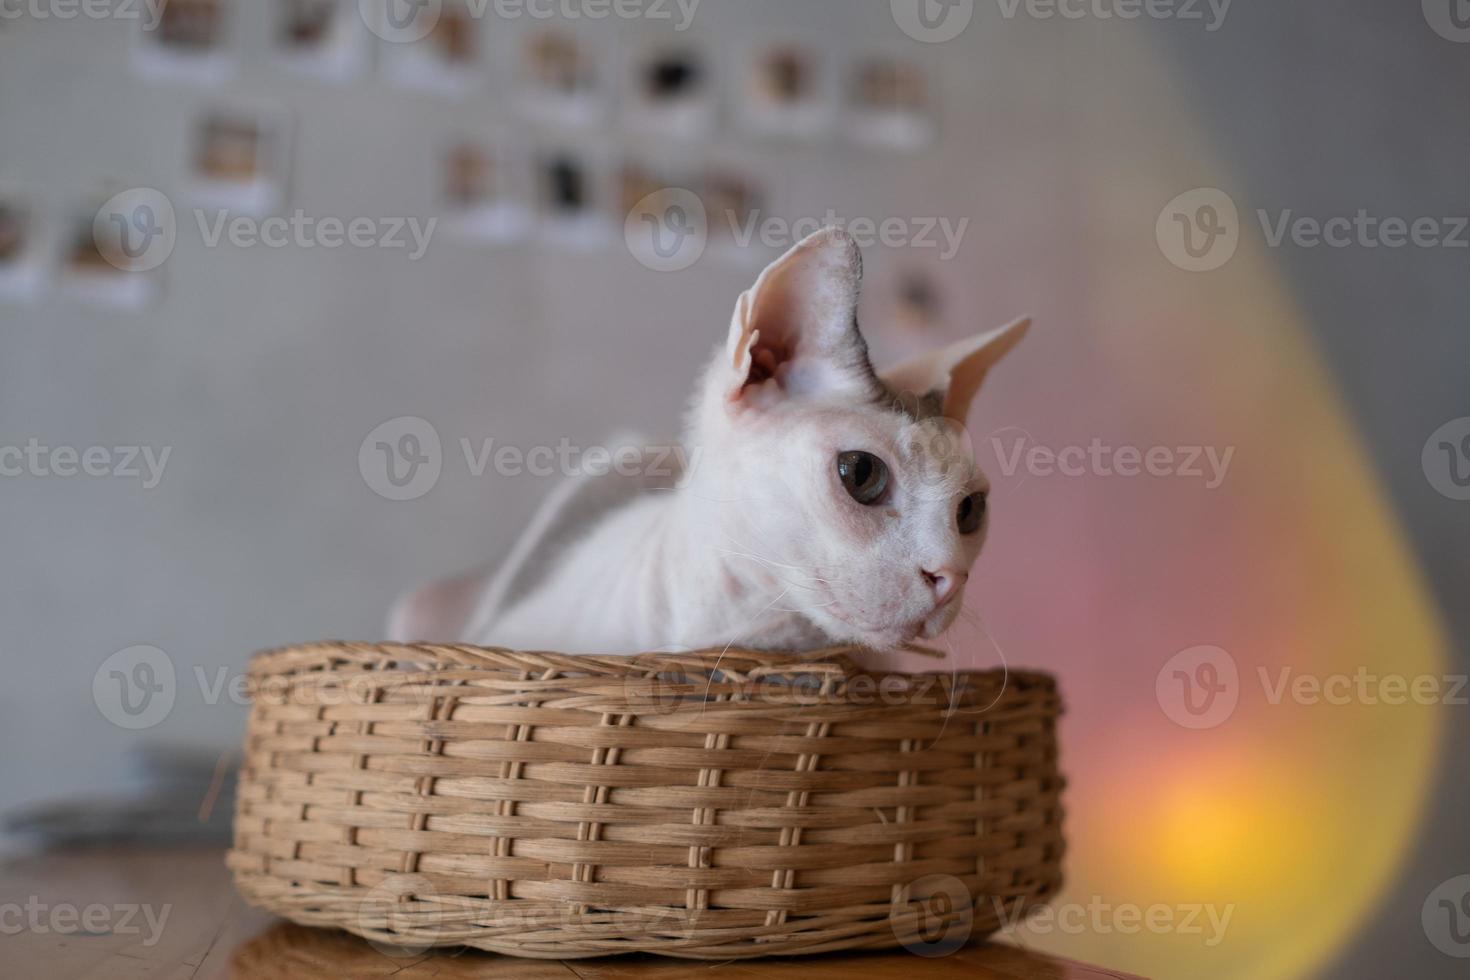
(820,503)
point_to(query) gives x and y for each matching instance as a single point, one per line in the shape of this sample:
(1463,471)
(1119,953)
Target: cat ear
(796,328)
(955,372)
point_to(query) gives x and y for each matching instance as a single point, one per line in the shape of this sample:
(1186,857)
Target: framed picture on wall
(889,103)
(238,158)
(734,203)
(22,249)
(572,198)
(324,39)
(484,191)
(441,51)
(914,299)
(560,81)
(663,220)
(190,40)
(670,92)
(113,248)
(787,91)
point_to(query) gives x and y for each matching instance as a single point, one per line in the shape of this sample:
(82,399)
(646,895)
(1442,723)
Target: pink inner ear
(766,358)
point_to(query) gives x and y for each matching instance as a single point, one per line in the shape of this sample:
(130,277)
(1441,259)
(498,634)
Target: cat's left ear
(795,331)
(955,373)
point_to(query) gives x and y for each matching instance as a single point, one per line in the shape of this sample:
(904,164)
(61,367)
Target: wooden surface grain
(133,914)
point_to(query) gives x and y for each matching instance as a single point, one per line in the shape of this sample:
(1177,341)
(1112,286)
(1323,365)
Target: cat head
(851,496)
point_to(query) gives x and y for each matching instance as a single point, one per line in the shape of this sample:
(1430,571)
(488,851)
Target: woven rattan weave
(710,805)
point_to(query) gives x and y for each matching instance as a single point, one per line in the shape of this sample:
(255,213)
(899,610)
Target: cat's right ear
(795,334)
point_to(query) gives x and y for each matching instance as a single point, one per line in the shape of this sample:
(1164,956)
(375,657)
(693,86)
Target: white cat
(823,504)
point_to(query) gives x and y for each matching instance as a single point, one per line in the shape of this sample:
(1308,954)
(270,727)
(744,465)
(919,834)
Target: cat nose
(944,581)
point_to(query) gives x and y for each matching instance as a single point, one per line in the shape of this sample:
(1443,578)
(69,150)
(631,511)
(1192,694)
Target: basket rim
(744,662)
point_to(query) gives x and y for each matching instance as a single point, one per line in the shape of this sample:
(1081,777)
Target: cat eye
(863,475)
(971,513)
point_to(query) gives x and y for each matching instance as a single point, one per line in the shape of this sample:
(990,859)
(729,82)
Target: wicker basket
(708,805)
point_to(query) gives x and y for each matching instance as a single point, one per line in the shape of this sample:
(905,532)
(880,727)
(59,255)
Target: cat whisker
(975,619)
(713,670)
(772,563)
(797,585)
(698,496)
(757,558)
(748,552)
(954,674)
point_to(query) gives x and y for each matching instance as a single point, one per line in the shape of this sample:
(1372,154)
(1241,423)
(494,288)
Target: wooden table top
(133,914)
